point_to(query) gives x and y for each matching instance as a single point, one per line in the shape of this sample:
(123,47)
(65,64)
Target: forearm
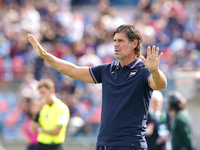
(159,80)
(34,126)
(67,68)
(56,131)
(60,65)
(52,132)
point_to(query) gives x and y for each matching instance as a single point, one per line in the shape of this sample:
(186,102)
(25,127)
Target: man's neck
(126,62)
(52,100)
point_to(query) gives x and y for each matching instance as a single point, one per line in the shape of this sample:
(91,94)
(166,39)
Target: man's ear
(133,44)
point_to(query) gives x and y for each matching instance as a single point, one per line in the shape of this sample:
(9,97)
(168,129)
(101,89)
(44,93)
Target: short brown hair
(48,83)
(132,34)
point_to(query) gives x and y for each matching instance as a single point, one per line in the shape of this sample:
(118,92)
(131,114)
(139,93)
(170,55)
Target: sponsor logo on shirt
(132,73)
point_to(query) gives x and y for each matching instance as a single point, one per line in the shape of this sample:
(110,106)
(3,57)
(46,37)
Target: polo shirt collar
(134,63)
(131,65)
(117,65)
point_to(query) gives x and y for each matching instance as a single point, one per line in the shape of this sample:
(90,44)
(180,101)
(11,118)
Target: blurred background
(80,31)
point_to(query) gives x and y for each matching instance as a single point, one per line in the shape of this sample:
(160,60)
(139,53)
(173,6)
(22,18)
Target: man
(51,122)
(127,86)
(182,137)
(160,119)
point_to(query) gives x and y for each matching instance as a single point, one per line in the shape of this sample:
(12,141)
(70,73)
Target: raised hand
(36,45)
(152,60)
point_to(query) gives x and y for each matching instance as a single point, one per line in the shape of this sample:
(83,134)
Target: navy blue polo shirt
(126,94)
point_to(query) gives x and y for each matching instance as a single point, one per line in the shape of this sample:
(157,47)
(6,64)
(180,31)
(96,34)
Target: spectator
(51,122)
(26,89)
(157,139)
(182,137)
(31,138)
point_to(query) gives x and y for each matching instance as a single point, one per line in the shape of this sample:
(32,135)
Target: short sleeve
(63,117)
(62,120)
(96,73)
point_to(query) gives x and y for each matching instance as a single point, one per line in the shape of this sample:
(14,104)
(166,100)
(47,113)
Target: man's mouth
(117,50)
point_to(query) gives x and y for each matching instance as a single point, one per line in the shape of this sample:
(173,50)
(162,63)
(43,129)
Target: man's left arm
(157,79)
(55,131)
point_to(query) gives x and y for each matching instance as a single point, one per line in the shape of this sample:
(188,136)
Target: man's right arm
(67,68)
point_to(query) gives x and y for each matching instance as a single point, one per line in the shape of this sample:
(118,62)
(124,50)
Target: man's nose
(116,43)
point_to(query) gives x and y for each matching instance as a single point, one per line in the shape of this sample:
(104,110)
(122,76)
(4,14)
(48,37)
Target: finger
(160,56)
(34,40)
(142,58)
(157,51)
(148,51)
(28,36)
(30,39)
(153,50)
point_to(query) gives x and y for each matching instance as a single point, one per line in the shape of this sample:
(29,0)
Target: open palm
(152,60)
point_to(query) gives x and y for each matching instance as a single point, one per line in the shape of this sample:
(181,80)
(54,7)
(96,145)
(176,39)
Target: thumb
(142,58)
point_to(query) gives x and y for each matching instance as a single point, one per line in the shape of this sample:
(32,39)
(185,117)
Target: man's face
(156,104)
(122,46)
(44,93)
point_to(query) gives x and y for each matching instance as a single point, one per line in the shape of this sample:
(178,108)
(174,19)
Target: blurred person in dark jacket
(182,138)
(158,124)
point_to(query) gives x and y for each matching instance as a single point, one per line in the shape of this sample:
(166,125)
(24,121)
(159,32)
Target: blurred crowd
(85,40)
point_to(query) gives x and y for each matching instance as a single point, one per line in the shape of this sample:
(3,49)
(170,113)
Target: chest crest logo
(132,73)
